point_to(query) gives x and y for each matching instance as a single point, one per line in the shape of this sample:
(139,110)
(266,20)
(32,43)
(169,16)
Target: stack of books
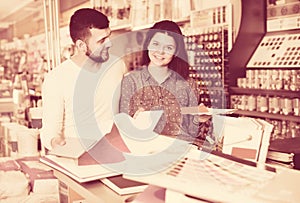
(285,152)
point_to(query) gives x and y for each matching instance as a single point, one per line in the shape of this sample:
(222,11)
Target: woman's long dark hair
(179,62)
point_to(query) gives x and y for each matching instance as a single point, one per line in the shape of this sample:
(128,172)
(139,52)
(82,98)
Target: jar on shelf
(262,103)
(286,106)
(251,103)
(296,107)
(274,105)
(293,80)
(244,102)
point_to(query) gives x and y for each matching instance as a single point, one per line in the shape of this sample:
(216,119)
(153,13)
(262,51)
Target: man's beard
(100,58)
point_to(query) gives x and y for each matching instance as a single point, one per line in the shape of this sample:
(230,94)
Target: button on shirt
(140,90)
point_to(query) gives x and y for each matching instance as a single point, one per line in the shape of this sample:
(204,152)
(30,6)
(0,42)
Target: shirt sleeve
(53,110)
(121,69)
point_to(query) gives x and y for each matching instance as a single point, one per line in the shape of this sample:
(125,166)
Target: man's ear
(81,46)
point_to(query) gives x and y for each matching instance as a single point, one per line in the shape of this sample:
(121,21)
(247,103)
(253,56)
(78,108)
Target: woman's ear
(176,54)
(81,46)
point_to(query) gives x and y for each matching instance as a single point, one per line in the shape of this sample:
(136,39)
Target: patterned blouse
(140,90)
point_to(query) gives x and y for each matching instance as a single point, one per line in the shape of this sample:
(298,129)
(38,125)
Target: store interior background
(26,51)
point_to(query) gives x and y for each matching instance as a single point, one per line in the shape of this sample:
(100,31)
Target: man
(84,88)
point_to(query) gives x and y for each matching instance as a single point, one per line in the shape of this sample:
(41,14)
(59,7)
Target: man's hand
(58,141)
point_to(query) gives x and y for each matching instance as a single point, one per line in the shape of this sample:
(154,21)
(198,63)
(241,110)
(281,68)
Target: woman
(162,83)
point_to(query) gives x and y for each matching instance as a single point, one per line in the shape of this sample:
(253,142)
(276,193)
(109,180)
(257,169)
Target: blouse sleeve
(193,127)
(127,91)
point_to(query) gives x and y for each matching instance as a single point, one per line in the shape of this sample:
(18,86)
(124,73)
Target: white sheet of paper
(135,131)
(140,128)
(147,119)
(73,148)
(194,110)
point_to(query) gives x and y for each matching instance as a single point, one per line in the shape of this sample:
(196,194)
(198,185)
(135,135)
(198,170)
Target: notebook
(123,186)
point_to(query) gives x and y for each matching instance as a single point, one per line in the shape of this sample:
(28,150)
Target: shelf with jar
(275,104)
(268,91)
(208,40)
(271,94)
(140,14)
(271,87)
(265,92)
(268,115)
(208,59)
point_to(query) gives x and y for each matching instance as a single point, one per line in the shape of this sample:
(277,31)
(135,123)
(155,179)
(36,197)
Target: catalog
(79,173)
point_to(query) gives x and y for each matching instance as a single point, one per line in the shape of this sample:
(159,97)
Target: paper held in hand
(202,110)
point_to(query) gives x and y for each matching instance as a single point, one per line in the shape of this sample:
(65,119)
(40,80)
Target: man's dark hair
(83,20)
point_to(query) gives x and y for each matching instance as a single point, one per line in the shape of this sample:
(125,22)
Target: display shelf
(121,27)
(146,26)
(268,115)
(7,105)
(281,93)
(141,27)
(182,20)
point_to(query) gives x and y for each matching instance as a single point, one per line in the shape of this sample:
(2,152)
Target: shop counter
(94,191)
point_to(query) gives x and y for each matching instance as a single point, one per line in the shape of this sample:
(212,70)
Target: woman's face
(161,49)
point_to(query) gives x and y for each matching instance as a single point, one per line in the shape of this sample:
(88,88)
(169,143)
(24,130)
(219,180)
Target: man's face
(98,45)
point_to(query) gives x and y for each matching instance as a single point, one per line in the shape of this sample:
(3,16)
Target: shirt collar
(146,74)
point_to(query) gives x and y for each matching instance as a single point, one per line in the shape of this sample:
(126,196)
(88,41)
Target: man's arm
(116,100)
(53,108)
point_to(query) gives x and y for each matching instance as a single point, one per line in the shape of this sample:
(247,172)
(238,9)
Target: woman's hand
(202,118)
(141,109)
(202,108)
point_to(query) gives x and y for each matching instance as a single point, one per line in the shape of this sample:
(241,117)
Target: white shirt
(74,100)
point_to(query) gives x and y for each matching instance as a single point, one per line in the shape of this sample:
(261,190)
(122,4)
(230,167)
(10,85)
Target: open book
(82,159)
(79,173)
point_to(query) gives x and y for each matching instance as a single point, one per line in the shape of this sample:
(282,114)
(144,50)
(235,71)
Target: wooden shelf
(7,107)
(280,93)
(121,27)
(268,115)
(146,26)
(276,93)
